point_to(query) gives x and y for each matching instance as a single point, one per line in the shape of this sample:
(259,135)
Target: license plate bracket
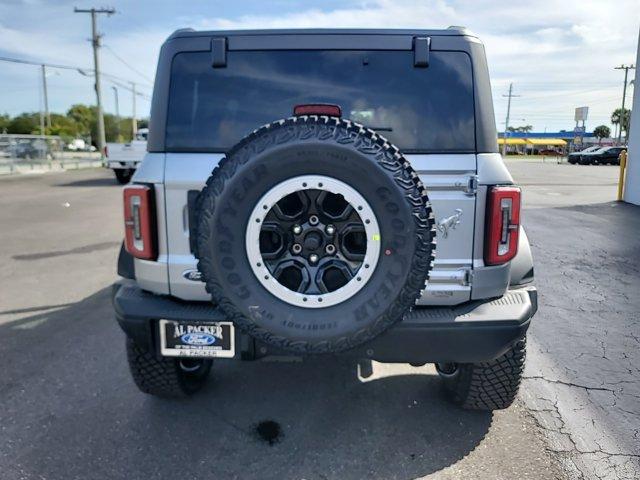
(196,339)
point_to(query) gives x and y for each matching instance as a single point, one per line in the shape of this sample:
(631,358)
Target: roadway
(68,408)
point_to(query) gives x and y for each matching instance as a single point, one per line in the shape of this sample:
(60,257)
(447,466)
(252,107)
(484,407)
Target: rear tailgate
(126,152)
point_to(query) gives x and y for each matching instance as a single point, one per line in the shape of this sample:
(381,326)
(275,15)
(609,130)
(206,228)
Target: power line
(130,88)
(568,94)
(29,62)
(80,70)
(124,62)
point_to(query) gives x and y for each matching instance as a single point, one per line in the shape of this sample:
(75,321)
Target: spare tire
(314,234)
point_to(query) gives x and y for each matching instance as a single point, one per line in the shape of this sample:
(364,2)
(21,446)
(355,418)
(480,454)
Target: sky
(558,54)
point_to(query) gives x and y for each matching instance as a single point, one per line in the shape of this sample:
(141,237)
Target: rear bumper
(474,332)
(121,164)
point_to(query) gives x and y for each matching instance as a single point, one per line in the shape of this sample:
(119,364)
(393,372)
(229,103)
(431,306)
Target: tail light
(503,225)
(105,151)
(317,109)
(139,222)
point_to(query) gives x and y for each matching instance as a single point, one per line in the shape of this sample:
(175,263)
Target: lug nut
(296,248)
(330,249)
(313,258)
(330,229)
(297,229)
(313,220)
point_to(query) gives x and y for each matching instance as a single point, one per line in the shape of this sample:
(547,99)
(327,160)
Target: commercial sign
(581,114)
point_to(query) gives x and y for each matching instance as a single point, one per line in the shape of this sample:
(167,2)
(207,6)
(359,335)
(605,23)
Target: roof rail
(179,31)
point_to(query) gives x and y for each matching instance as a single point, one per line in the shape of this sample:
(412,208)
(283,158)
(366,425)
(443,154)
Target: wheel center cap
(312,241)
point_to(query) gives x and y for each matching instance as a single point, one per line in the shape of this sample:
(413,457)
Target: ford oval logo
(193,275)
(198,339)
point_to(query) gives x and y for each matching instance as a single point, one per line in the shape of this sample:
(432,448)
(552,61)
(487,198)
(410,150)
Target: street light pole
(626,69)
(134,121)
(115,92)
(95,42)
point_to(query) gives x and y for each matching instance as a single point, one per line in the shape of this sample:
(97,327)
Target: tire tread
(156,377)
(489,385)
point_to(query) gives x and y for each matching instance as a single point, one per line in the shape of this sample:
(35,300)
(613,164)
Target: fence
(19,153)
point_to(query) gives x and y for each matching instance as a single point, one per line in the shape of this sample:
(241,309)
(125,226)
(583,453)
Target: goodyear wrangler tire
(491,385)
(314,234)
(165,377)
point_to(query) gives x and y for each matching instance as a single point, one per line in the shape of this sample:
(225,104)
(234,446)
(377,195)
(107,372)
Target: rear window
(418,109)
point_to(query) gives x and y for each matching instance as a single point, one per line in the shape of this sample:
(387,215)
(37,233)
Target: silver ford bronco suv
(325,192)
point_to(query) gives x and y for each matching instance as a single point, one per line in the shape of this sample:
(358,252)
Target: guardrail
(32,153)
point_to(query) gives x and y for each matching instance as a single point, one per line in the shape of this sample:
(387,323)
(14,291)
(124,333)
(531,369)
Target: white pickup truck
(123,158)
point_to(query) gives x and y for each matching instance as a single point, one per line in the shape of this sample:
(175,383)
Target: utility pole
(626,69)
(506,123)
(41,121)
(134,121)
(95,42)
(46,96)
(115,92)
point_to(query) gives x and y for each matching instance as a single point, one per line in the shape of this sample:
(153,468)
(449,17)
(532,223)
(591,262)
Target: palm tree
(523,129)
(621,119)
(601,131)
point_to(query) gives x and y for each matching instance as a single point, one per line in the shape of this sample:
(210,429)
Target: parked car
(252,233)
(574,157)
(33,150)
(79,145)
(602,156)
(550,152)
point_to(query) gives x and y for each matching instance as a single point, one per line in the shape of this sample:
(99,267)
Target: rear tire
(489,385)
(123,175)
(165,377)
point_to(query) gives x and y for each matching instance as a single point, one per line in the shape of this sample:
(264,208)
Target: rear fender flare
(522,264)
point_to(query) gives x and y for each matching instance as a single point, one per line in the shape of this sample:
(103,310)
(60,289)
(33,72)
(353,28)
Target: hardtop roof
(449,31)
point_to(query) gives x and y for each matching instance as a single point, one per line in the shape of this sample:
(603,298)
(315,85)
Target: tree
(523,129)
(79,121)
(84,117)
(621,119)
(64,126)
(117,131)
(4,122)
(601,131)
(25,123)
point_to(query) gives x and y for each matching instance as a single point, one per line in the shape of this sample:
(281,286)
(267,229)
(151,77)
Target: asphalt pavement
(583,363)
(68,408)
